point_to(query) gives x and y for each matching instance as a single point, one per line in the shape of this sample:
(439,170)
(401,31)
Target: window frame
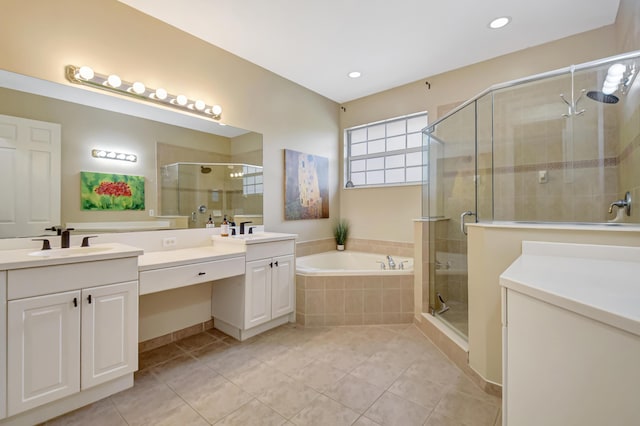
(385,154)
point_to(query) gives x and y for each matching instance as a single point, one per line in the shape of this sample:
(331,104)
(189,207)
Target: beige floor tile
(197,341)
(466,409)
(499,419)
(421,391)
(342,359)
(265,349)
(143,404)
(253,413)
(325,411)
(437,369)
(195,381)
(365,421)
(175,367)
(354,393)
(288,398)
(217,402)
(465,385)
(182,415)
(289,361)
(101,413)
(437,419)
(378,373)
(258,379)
(319,375)
(391,409)
(159,355)
(229,362)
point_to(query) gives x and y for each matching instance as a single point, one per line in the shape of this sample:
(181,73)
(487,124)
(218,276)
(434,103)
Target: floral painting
(104,191)
(306,186)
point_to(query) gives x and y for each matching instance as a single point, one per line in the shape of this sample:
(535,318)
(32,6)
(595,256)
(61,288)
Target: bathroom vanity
(71,330)
(571,335)
(262,298)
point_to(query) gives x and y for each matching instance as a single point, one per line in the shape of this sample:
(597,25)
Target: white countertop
(257,238)
(30,258)
(597,281)
(187,256)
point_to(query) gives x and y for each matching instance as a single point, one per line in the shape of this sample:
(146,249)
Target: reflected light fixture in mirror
(112,155)
(86,76)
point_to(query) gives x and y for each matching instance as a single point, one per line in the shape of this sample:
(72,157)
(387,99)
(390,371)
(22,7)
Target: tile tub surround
(354,300)
(393,248)
(292,375)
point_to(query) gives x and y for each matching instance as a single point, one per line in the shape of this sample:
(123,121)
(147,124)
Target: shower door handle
(467,213)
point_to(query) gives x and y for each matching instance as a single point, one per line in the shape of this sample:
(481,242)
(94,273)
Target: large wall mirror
(192,167)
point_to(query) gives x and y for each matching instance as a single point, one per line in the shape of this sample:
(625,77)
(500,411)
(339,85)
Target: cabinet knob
(276,263)
(89,299)
(271,265)
(75,302)
(202,273)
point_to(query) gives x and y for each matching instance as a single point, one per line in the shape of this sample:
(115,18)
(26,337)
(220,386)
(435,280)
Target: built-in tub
(351,288)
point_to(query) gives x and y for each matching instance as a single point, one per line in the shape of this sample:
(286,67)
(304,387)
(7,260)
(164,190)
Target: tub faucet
(625,203)
(392,264)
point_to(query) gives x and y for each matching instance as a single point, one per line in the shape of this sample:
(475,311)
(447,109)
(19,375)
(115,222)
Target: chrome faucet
(392,264)
(624,203)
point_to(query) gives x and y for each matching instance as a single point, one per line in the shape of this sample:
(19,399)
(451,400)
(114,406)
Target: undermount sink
(73,251)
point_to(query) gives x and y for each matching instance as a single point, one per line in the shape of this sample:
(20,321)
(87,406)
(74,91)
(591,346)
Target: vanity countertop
(32,258)
(187,256)
(257,238)
(596,281)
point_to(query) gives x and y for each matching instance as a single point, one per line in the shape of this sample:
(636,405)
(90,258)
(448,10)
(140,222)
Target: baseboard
(174,336)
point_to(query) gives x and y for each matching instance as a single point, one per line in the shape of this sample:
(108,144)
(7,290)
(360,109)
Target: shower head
(597,95)
(205,170)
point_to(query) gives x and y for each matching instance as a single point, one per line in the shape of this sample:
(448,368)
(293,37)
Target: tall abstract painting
(306,186)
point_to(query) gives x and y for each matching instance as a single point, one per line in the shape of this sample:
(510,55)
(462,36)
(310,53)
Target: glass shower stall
(560,147)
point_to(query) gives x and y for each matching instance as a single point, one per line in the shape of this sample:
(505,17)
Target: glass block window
(251,180)
(387,152)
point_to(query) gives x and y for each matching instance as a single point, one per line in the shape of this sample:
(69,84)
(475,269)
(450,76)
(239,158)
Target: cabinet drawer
(181,276)
(272,249)
(55,279)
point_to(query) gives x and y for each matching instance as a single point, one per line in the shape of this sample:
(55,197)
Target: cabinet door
(109,332)
(282,286)
(43,350)
(257,303)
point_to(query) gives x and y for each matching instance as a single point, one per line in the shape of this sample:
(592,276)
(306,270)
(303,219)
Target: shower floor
(457,317)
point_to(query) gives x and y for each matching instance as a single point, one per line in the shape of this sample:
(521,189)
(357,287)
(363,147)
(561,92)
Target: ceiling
(317,43)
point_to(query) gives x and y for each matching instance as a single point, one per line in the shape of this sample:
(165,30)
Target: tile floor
(353,375)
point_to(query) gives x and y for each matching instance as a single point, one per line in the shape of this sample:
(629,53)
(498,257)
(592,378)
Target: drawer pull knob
(75,302)
(89,299)
(202,273)
(276,263)
(271,265)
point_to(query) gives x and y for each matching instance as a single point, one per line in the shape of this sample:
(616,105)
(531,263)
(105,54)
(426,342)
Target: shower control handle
(462,223)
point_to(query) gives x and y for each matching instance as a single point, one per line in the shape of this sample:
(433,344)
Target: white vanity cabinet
(571,336)
(71,335)
(264,297)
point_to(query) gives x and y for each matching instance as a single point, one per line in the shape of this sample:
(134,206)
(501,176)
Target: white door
(30,176)
(109,332)
(282,286)
(257,309)
(43,350)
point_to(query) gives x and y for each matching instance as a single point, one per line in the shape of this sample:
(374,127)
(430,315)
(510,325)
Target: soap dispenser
(209,223)
(224,228)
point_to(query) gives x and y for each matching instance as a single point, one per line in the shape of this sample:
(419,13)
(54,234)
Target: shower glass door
(452,202)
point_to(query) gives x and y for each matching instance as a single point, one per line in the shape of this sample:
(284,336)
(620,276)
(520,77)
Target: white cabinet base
(241,334)
(53,409)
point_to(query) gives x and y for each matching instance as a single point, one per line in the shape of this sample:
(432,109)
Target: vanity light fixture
(86,76)
(112,155)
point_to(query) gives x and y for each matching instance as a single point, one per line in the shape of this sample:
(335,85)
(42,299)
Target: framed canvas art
(306,186)
(105,191)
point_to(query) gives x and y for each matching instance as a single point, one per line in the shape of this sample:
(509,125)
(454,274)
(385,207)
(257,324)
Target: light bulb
(111,155)
(114,81)
(181,100)
(101,154)
(85,73)
(616,70)
(200,105)
(499,22)
(121,156)
(138,88)
(354,74)
(131,157)
(216,110)
(161,94)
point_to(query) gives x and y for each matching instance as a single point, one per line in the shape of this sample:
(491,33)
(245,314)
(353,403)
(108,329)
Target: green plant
(341,231)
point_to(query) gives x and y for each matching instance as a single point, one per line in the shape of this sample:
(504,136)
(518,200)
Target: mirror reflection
(42,177)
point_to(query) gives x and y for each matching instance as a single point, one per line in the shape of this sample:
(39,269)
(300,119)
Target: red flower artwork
(114,189)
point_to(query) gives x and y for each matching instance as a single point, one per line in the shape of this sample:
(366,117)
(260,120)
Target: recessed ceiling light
(354,74)
(499,22)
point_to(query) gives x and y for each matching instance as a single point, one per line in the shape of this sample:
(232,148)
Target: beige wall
(41,37)
(446,89)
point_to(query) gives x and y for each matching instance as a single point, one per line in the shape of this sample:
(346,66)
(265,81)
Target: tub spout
(624,203)
(392,264)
